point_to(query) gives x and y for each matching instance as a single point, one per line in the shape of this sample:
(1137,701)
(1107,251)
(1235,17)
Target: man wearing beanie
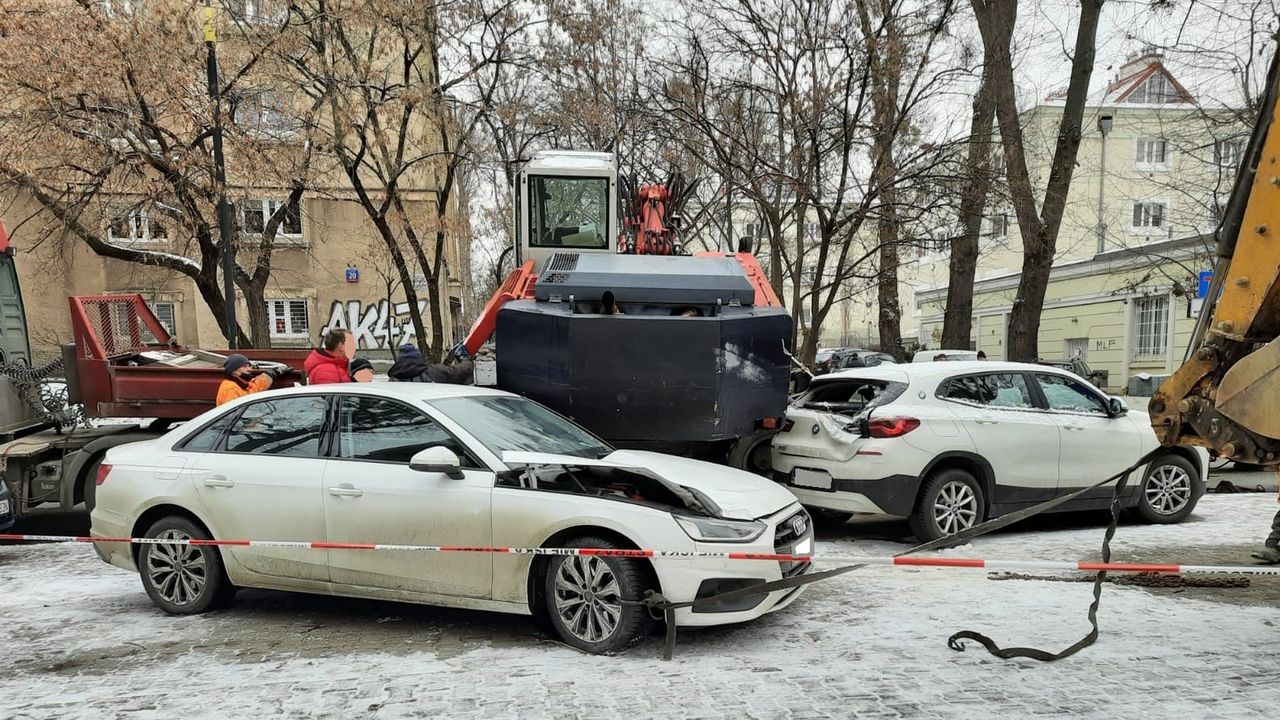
(412,367)
(361,370)
(241,381)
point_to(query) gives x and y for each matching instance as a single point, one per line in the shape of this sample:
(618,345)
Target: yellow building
(1155,164)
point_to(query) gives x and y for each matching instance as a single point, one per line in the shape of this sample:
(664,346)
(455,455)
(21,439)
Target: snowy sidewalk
(81,639)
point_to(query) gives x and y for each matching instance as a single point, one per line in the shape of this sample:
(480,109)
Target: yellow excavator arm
(1226,395)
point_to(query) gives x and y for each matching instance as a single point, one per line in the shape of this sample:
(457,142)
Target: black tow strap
(656,601)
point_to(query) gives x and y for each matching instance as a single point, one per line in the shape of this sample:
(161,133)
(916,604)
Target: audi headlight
(716,530)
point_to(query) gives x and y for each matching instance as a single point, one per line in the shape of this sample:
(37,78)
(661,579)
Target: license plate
(4,507)
(815,479)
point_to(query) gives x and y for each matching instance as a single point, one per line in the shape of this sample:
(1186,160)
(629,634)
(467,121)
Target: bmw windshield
(514,424)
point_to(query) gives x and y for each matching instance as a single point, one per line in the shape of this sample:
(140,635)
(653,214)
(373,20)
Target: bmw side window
(1063,393)
(288,427)
(207,439)
(1001,390)
(388,431)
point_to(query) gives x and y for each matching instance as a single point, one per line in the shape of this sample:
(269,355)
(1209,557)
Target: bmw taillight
(891,427)
(101,477)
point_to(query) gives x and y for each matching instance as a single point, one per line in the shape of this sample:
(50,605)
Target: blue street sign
(353,275)
(1206,278)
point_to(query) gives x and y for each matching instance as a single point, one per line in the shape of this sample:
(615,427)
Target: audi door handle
(988,422)
(1073,427)
(345,490)
(216,481)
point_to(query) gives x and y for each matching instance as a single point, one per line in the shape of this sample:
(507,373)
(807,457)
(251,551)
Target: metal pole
(220,177)
(1104,126)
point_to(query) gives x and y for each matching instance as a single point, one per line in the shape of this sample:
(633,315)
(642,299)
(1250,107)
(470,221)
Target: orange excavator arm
(518,286)
(1226,395)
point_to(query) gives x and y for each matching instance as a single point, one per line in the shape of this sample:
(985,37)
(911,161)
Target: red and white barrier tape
(888,560)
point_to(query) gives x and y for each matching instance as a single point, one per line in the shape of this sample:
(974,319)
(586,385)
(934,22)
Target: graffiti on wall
(380,325)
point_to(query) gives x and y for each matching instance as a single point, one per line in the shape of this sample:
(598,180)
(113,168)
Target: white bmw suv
(951,444)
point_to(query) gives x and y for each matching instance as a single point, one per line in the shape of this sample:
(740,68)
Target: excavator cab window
(569,212)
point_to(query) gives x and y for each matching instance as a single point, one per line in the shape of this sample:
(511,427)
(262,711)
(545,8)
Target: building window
(750,231)
(1149,215)
(135,226)
(267,115)
(1213,212)
(1156,90)
(258,12)
(289,319)
(256,212)
(166,313)
(1151,153)
(1153,326)
(1229,153)
(999,226)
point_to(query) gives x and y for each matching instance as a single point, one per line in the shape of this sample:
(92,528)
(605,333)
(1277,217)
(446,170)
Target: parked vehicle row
(945,445)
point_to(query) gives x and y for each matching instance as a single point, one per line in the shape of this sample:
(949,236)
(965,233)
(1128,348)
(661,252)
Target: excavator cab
(565,201)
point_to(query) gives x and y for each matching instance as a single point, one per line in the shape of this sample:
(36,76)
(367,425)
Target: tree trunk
(957,323)
(996,19)
(890,320)
(255,301)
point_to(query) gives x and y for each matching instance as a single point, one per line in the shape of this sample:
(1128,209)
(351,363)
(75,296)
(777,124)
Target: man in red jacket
(329,363)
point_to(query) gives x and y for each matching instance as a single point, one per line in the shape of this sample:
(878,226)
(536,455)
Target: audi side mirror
(437,460)
(1116,407)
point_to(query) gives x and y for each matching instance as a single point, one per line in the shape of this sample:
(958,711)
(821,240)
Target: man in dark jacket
(412,367)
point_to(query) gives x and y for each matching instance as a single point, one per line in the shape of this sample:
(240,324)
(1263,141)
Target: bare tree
(787,98)
(106,128)
(957,324)
(390,76)
(1039,227)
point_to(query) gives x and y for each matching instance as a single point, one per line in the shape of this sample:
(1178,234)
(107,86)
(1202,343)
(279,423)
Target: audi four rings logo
(797,525)
(814,429)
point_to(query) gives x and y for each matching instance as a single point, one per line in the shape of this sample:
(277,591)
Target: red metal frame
(109,387)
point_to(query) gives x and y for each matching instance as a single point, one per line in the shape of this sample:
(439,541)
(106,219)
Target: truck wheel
(584,598)
(754,453)
(183,579)
(1169,491)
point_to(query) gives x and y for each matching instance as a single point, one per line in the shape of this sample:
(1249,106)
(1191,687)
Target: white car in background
(951,444)
(431,464)
(922,356)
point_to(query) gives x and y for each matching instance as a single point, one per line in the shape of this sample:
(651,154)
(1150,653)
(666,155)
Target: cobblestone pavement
(81,639)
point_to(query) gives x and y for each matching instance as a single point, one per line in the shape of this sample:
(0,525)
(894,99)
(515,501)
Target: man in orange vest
(241,381)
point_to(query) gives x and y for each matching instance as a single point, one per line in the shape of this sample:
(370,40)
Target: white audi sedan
(425,464)
(948,445)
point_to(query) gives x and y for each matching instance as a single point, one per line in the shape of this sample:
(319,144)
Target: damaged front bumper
(790,533)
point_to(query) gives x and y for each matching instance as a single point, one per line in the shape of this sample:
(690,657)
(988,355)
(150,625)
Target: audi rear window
(850,396)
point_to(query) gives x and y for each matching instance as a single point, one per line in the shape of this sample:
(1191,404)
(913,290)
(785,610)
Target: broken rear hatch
(829,420)
(669,482)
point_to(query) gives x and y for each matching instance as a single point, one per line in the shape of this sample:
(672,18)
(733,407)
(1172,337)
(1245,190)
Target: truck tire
(583,595)
(183,579)
(753,453)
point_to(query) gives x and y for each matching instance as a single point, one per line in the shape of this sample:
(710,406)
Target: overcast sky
(1204,41)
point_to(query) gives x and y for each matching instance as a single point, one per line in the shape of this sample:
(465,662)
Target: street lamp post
(1104,127)
(220,175)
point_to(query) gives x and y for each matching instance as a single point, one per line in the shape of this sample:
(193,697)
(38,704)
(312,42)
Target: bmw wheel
(1169,491)
(585,599)
(951,502)
(183,579)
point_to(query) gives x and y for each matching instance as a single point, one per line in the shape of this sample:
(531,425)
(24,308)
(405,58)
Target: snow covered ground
(79,639)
